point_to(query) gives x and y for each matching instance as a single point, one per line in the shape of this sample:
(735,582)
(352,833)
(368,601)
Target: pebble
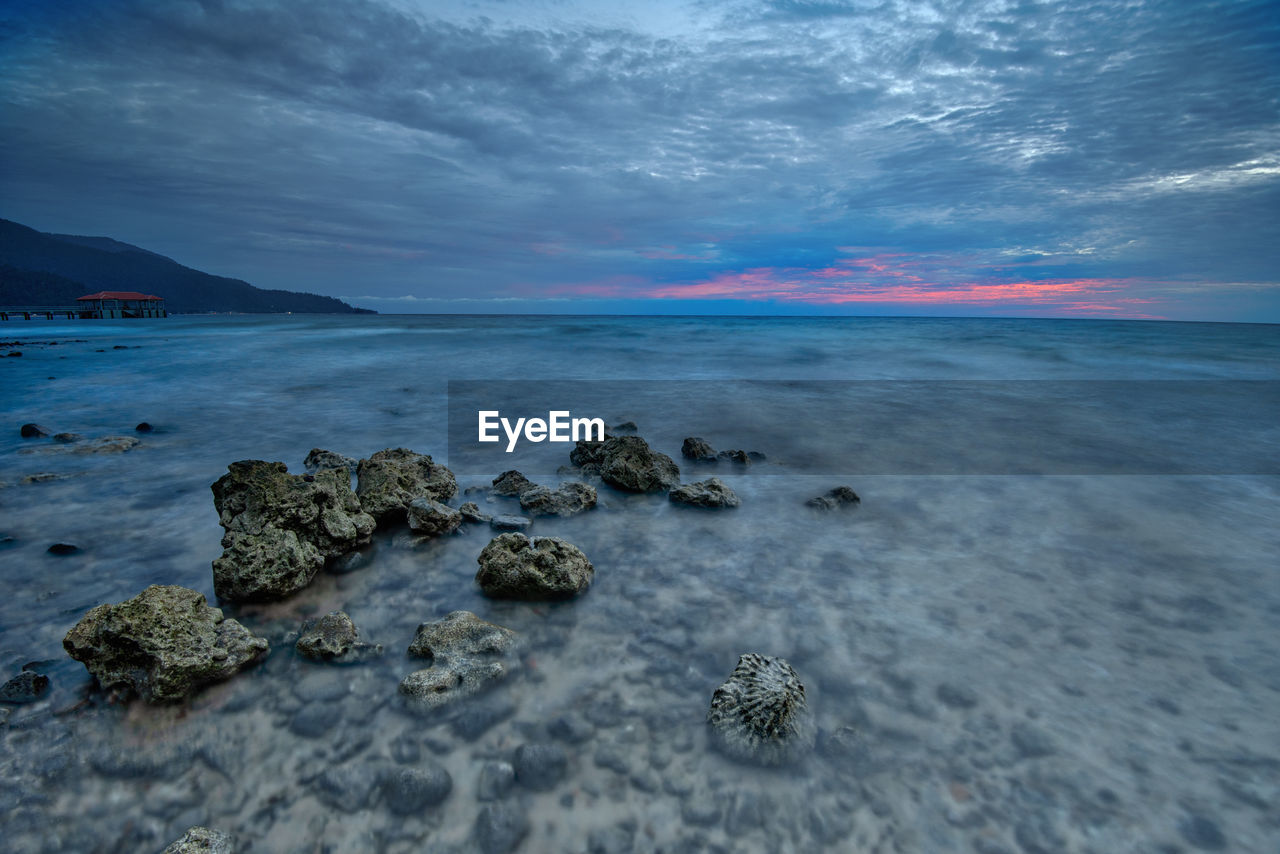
(346,787)
(315,719)
(541,766)
(1032,742)
(956,696)
(500,828)
(496,780)
(571,728)
(1203,833)
(410,790)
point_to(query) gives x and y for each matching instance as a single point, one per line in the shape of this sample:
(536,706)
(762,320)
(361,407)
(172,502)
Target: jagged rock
(698,450)
(281,528)
(467,654)
(842,497)
(33,431)
(163,643)
(319,459)
(26,687)
(628,462)
(511,483)
(514,566)
(460,633)
(760,715)
(389,480)
(735,456)
(711,492)
(202,840)
(510,522)
(433,519)
(471,513)
(451,680)
(334,637)
(568,499)
(588,454)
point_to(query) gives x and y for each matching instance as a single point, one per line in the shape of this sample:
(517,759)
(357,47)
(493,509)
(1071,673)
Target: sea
(1052,623)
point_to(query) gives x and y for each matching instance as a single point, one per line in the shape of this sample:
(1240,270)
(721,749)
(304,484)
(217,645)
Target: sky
(968,158)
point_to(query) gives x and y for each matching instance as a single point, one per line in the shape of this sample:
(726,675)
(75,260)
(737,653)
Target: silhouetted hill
(53,269)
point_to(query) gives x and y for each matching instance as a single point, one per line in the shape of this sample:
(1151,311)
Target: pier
(104,305)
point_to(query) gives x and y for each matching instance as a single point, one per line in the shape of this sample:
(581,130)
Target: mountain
(53,269)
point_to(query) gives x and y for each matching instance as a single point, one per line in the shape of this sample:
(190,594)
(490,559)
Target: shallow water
(1118,634)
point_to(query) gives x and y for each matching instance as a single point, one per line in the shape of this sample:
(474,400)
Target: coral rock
(760,715)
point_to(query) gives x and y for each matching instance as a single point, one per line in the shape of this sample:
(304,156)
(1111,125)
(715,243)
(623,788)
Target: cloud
(381,148)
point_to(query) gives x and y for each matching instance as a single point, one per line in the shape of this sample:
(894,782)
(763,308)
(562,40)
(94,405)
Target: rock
(842,497)
(108,445)
(13,354)
(334,638)
(407,791)
(449,681)
(466,655)
(587,453)
(26,687)
(34,431)
(511,483)
(433,519)
(540,766)
(760,714)
(571,728)
(1203,833)
(164,644)
(568,499)
(67,438)
(391,479)
(711,493)
(63,549)
(143,427)
(698,449)
(202,840)
(500,828)
(319,459)
(514,566)
(510,522)
(629,463)
(281,528)
(496,780)
(481,716)
(739,457)
(315,719)
(471,513)
(346,787)
(460,633)
(1031,742)
(956,696)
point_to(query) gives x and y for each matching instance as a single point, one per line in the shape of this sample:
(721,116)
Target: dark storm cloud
(359,148)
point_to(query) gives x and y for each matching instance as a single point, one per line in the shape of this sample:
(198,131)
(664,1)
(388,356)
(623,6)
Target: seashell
(760,714)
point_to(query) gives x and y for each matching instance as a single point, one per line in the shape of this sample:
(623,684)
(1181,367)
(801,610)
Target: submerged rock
(334,637)
(627,462)
(711,493)
(500,827)
(26,687)
(735,456)
(433,519)
(391,479)
(511,483)
(467,654)
(408,791)
(698,449)
(163,643)
(510,522)
(460,633)
(842,497)
(202,840)
(33,431)
(514,566)
(760,715)
(471,513)
(281,528)
(540,766)
(568,499)
(107,445)
(319,459)
(67,438)
(143,427)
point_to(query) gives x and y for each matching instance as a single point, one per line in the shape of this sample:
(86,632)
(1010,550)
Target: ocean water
(1052,625)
